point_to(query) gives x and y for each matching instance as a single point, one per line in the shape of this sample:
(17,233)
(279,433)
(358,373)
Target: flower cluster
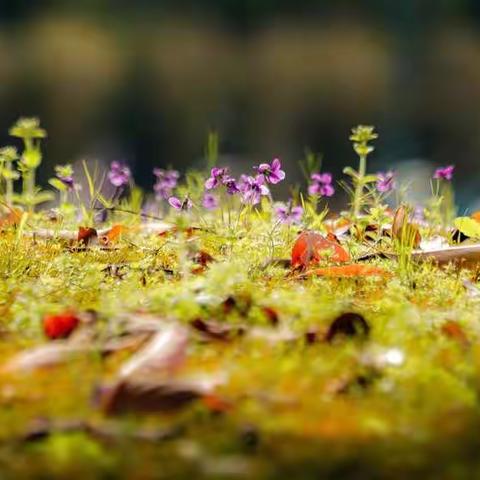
(321,185)
(218,176)
(272,173)
(444,173)
(119,174)
(64,173)
(252,189)
(165,183)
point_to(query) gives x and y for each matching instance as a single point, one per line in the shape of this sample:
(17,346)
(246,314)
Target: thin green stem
(359,184)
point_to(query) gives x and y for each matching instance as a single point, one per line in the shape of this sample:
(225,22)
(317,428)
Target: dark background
(143,81)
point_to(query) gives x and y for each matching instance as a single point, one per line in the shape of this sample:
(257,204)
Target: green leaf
(350,171)
(43,197)
(370,178)
(58,184)
(468,226)
(32,158)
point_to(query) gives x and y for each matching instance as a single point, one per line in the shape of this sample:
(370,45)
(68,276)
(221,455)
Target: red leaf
(59,326)
(311,247)
(86,234)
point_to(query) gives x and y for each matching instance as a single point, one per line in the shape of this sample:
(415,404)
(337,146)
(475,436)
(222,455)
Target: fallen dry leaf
(311,247)
(355,270)
(349,324)
(165,352)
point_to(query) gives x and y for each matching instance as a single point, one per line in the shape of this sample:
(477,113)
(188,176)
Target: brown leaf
(86,235)
(215,330)
(403,230)
(272,315)
(165,352)
(349,324)
(453,330)
(156,396)
(13,217)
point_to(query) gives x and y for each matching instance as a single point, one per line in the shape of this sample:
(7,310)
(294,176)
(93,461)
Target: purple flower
(217,177)
(323,178)
(288,214)
(178,204)
(252,189)
(165,183)
(119,174)
(64,173)
(273,172)
(231,185)
(210,202)
(67,181)
(385,181)
(444,173)
(321,184)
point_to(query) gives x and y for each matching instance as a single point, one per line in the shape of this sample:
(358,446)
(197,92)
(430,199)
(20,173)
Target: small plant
(361,136)
(8,155)
(29,130)
(441,209)
(63,182)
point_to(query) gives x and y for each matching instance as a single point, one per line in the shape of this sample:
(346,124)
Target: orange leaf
(354,270)
(311,247)
(476,215)
(113,234)
(12,218)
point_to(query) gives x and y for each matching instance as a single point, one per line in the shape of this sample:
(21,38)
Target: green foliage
(468,226)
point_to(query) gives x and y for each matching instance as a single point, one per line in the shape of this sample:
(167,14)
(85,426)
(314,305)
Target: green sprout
(63,182)
(8,155)
(29,130)
(361,135)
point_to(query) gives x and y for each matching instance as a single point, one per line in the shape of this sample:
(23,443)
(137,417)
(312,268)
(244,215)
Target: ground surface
(256,371)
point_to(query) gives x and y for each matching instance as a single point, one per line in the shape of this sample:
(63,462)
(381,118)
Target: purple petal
(175,203)
(210,202)
(276,177)
(210,183)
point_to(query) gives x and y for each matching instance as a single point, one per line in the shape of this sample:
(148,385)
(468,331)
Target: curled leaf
(404,231)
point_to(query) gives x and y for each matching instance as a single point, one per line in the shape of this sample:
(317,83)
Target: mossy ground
(291,406)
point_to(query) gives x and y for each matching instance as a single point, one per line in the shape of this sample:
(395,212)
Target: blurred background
(144,81)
